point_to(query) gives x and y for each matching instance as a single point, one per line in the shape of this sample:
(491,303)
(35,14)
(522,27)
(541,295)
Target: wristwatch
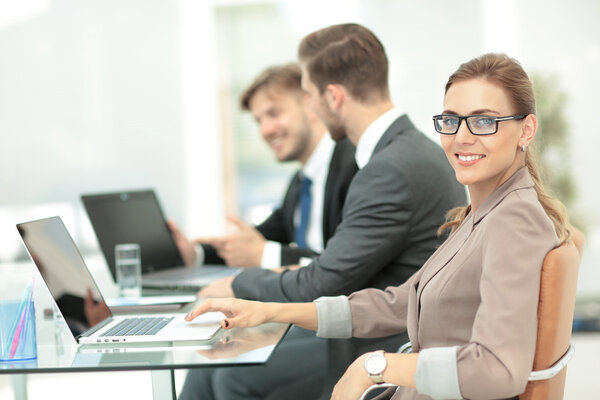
(375,364)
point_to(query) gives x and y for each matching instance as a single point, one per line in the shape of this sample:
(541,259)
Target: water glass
(128,265)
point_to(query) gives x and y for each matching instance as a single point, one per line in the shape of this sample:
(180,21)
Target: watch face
(375,364)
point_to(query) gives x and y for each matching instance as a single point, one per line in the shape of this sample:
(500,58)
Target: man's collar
(320,158)
(371,136)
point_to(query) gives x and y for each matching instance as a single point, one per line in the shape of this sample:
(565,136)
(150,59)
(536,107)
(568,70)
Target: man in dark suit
(294,133)
(394,206)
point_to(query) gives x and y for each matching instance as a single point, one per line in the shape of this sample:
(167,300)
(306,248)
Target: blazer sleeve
(292,255)
(375,222)
(497,360)
(273,228)
(380,313)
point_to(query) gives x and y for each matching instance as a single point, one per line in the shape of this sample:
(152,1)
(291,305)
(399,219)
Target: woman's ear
(528,131)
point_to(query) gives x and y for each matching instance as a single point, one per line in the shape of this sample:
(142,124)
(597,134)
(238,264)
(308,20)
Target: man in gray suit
(294,133)
(393,208)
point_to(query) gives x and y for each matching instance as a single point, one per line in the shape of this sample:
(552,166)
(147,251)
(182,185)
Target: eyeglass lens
(478,124)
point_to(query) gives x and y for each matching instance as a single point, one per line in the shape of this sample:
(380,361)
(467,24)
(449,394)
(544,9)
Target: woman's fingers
(211,305)
(239,313)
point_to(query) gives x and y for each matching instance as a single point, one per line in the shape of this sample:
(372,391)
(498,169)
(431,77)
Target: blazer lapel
(412,316)
(330,185)
(446,252)
(520,180)
(400,125)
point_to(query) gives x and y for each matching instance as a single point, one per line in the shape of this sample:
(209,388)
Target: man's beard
(336,128)
(337,132)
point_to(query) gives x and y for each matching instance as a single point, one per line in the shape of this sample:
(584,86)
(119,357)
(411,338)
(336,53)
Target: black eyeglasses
(448,124)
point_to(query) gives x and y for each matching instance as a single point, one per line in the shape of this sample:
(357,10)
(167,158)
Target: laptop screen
(133,217)
(56,256)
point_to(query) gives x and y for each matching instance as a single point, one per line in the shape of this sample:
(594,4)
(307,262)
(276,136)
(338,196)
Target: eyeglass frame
(466,117)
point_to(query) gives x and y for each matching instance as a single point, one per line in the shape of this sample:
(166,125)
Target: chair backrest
(555,316)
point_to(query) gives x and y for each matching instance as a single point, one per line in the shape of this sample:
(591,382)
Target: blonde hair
(508,73)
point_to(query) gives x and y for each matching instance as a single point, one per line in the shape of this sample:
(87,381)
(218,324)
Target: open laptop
(136,217)
(56,256)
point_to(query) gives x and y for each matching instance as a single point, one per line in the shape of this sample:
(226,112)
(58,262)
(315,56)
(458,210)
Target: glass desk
(58,352)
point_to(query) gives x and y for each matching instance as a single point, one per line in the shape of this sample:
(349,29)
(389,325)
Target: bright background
(103,95)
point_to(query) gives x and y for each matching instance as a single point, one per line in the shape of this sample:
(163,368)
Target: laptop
(53,251)
(136,217)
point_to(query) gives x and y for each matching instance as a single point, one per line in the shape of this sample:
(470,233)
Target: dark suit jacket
(392,211)
(279,227)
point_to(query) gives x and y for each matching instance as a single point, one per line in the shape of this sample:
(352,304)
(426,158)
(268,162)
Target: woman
(470,311)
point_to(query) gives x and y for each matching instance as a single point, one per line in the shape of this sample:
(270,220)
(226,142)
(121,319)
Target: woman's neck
(480,191)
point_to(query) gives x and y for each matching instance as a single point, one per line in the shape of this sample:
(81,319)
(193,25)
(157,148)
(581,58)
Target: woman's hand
(245,313)
(239,313)
(400,371)
(354,381)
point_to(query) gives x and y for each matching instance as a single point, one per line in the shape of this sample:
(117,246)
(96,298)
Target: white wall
(107,95)
(104,95)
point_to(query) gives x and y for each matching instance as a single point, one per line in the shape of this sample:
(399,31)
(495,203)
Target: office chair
(555,320)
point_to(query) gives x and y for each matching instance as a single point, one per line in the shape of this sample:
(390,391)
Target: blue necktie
(304,213)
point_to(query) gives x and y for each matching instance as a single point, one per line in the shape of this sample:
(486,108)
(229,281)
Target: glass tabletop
(237,347)
(58,351)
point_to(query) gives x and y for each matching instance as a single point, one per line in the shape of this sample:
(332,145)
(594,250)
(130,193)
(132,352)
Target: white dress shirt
(371,136)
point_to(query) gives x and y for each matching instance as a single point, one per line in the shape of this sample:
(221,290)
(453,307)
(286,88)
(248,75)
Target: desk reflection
(232,347)
(236,342)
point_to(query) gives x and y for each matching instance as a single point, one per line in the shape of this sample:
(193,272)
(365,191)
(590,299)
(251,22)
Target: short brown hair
(349,55)
(287,77)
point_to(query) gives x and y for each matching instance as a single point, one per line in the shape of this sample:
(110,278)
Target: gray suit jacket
(479,292)
(393,208)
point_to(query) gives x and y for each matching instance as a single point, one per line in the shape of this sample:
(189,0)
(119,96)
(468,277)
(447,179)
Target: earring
(523,148)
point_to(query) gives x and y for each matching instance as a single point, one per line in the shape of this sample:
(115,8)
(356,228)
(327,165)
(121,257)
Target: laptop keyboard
(138,326)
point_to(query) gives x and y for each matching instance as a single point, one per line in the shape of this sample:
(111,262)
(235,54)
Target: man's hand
(94,312)
(219,288)
(185,246)
(242,248)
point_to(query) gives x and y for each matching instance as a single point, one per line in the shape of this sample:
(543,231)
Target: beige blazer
(478,291)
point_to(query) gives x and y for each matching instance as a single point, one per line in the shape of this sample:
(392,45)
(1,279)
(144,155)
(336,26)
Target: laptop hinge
(94,329)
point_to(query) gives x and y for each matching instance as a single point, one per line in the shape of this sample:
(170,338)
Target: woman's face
(483,163)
